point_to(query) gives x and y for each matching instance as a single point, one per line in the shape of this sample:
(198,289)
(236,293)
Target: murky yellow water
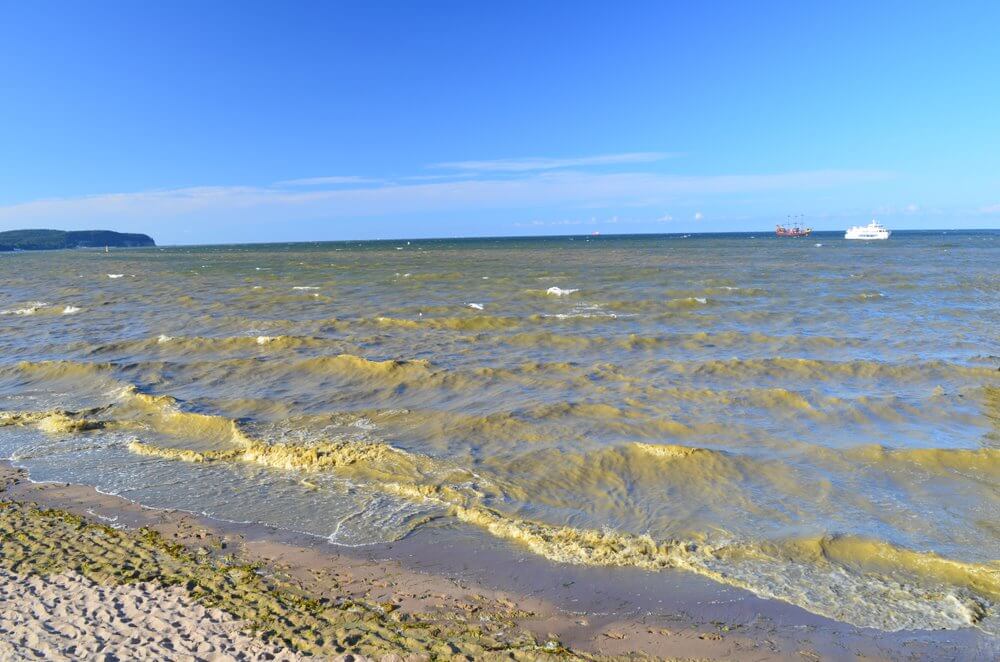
(816,423)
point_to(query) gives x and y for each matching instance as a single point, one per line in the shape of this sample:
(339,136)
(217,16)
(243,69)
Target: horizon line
(590,235)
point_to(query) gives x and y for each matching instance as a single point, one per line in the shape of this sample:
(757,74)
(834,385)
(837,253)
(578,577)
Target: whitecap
(164,338)
(559,292)
(476,306)
(263,340)
(818,245)
(583,315)
(305,287)
(70,310)
(29,310)
(115,275)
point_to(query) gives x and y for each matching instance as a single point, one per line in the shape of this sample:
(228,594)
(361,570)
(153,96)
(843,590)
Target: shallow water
(816,423)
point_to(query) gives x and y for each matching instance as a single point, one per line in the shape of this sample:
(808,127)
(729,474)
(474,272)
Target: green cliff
(35,240)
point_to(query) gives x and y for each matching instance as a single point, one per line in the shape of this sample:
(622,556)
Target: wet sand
(219,589)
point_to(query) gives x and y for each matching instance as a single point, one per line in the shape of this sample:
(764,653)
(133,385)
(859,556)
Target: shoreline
(453,581)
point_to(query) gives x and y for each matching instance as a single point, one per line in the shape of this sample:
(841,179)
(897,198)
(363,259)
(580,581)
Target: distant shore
(257,591)
(44,240)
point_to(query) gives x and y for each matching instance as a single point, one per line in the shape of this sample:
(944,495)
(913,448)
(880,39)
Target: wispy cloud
(534,164)
(326,181)
(529,191)
(560,222)
(438,178)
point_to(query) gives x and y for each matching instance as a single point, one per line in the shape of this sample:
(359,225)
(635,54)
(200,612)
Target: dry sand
(68,616)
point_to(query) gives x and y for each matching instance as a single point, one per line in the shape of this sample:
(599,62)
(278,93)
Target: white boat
(873,230)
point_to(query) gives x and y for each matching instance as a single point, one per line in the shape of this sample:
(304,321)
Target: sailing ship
(793,228)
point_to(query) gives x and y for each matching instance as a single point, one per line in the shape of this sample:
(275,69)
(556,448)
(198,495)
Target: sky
(221,122)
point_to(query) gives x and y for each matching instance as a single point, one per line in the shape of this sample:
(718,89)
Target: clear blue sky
(213,121)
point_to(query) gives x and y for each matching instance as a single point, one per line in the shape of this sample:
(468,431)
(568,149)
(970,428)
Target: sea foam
(29,309)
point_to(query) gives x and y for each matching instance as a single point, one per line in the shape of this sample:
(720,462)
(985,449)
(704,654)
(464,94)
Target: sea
(814,420)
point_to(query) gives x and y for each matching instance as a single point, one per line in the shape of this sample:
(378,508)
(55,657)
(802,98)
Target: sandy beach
(401,332)
(86,575)
(67,616)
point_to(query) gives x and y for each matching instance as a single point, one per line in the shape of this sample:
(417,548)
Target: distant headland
(40,240)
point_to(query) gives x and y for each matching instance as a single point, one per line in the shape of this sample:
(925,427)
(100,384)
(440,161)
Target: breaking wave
(820,427)
(891,588)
